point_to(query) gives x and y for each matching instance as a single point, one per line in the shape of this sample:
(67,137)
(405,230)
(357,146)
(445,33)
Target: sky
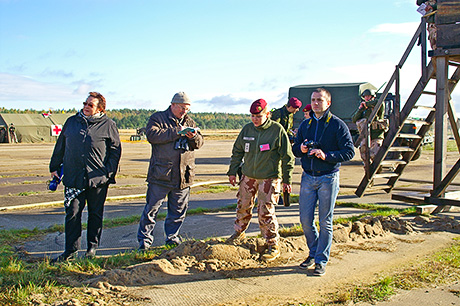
(223,53)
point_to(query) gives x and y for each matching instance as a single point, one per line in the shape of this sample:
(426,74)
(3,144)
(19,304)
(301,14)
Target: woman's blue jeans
(322,190)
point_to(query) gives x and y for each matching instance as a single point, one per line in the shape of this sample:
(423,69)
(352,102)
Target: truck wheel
(417,154)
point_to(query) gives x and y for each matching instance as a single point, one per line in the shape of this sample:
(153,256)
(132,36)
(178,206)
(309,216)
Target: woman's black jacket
(90,150)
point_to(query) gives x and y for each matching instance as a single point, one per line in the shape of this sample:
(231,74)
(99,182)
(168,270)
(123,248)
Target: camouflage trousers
(373,148)
(268,192)
(432,35)
(375,144)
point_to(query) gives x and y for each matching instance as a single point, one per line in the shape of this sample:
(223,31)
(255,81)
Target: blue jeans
(322,190)
(177,208)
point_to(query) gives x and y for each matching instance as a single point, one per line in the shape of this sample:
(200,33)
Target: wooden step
(386,175)
(379,187)
(420,122)
(408,199)
(389,162)
(430,108)
(400,149)
(412,136)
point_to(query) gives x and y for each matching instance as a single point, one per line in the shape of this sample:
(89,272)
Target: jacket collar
(265,126)
(326,114)
(92,119)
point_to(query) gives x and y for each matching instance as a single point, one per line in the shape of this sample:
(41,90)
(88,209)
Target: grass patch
(295,230)
(442,268)
(216,189)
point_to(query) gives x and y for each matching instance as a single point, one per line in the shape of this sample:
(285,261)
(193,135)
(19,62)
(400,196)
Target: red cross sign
(56,130)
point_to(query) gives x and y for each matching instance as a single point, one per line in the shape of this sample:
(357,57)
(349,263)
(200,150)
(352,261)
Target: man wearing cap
(265,148)
(171,169)
(285,115)
(323,142)
(378,126)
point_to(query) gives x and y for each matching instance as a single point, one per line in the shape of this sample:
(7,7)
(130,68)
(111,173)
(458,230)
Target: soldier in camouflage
(285,116)
(265,148)
(378,126)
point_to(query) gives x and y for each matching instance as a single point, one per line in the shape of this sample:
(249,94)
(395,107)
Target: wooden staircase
(398,148)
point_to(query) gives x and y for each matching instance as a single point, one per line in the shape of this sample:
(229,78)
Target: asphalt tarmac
(23,173)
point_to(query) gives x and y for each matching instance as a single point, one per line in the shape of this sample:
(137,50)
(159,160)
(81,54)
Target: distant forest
(137,118)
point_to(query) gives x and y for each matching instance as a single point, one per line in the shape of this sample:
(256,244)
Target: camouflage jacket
(362,113)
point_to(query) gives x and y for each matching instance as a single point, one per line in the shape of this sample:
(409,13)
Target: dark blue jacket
(335,141)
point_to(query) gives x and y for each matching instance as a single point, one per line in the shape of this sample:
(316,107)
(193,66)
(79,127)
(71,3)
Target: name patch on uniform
(264,147)
(246,147)
(248,138)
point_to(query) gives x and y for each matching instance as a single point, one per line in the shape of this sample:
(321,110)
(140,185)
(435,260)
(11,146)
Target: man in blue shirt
(322,143)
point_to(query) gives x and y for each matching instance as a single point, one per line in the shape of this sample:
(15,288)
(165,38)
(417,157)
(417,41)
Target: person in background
(430,9)
(378,125)
(265,148)
(171,170)
(12,130)
(89,149)
(322,143)
(285,116)
(306,111)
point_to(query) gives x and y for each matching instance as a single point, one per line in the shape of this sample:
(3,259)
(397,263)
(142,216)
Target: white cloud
(238,102)
(21,92)
(407,28)
(19,88)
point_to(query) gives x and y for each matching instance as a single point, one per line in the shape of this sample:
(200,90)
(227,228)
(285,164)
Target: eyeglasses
(185,108)
(88,104)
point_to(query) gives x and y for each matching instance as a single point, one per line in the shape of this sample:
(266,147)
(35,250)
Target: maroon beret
(257,106)
(294,102)
(307,108)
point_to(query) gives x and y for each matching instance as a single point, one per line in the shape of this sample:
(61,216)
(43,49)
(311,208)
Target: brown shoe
(236,237)
(273,252)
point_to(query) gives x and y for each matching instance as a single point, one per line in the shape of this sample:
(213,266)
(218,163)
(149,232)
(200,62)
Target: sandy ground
(215,273)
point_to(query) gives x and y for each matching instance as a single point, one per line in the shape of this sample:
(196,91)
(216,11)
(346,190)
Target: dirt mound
(370,227)
(207,259)
(195,259)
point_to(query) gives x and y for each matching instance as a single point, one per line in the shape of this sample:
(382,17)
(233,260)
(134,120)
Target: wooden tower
(396,157)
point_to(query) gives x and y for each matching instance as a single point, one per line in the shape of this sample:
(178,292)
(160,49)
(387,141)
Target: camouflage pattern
(432,35)
(374,145)
(268,192)
(373,148)
(364,113)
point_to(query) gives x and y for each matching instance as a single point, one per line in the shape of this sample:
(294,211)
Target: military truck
(345,101)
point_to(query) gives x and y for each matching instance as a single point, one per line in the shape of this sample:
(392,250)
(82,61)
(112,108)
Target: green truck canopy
(345,98)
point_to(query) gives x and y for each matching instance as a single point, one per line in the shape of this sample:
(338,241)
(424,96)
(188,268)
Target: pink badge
(265,147)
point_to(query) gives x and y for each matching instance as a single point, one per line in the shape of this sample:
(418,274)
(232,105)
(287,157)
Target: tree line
(138,118)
